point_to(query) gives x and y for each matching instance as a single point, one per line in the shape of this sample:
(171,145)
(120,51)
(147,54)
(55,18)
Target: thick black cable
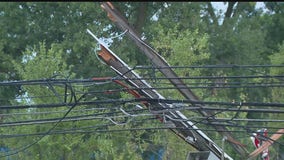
(223,85)
(95,116)
(209,66)
(44,82)
(51,112)
(208,77)
(150,100)
(40,138)
(212,117)
(62,81)
(83,81)
(72,118)
(73,131)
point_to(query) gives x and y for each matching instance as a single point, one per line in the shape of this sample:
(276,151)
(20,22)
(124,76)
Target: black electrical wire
(149,100)
(75,131)
(151,88)
(156,111)
(195,103)
(233,124)
(207,77)
(40,138)
(63,82)
(95,116)
(83,81)
(56,105)
(51,112)
(210,66)
(208,86)
(203,85)
(73,118)
(246,120)
(46,81)
(190,87)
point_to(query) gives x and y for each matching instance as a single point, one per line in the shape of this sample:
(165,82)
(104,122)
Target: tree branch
(211,13)
(229,11)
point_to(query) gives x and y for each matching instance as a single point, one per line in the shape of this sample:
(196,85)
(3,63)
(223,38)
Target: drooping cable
(46,133)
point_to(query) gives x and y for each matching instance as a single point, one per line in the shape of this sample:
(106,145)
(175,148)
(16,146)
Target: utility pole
(191,134)
(164,68)
(266,144)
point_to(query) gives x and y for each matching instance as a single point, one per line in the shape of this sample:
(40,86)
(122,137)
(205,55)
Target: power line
(242,119)
(210,66)
(73,118)
(51,81)
(40,138)
(109,79)
(51,112)
(75,131)
(110,115)
(213,86)
(192,102)
(149,100)
(208,77)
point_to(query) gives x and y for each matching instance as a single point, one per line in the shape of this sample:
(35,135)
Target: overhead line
(208,66)
(73,131)
(150,100)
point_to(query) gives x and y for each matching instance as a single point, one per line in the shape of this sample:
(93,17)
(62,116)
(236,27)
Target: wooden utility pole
(267,143)
(183,128)
(164,67)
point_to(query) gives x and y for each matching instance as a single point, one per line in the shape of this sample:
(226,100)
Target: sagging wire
(228,85)
(128,115)
(211,116)
(231,122)
(46,133)
(153,100)
(55,92)
(73,131)
(234,124)
(50,112)
(237,113)
(68,119)
(66,86)
(144,88)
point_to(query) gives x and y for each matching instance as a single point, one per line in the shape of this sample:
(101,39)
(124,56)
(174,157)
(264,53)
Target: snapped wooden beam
(159,61)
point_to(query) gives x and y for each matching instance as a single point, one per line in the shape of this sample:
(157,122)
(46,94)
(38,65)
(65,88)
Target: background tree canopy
(46,40)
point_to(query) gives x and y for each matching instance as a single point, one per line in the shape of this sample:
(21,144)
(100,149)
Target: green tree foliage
(277,59)
(184,33)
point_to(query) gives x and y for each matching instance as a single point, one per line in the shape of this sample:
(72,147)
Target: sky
(223,7)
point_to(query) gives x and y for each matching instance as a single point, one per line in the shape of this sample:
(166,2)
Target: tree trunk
(141,16)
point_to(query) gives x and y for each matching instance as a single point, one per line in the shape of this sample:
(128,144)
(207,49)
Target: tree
(185,33)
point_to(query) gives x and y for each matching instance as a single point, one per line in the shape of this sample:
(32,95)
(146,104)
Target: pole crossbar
(194,137)
(159,61)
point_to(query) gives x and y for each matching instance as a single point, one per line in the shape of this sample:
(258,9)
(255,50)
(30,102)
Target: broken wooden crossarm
(159,61)
(191,135)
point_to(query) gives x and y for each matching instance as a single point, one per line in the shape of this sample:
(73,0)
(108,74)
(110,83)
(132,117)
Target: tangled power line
(115,112)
